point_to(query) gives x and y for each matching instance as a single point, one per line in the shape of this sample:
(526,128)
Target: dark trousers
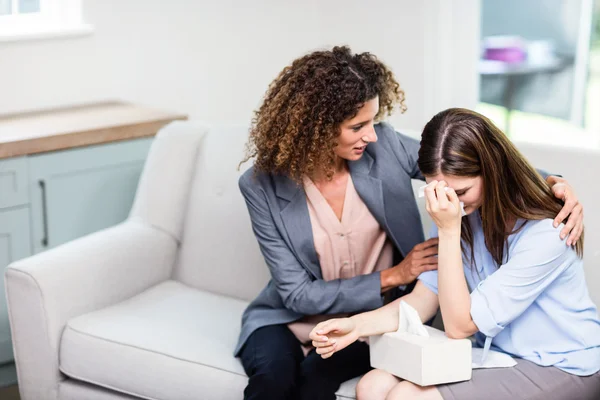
(277,369)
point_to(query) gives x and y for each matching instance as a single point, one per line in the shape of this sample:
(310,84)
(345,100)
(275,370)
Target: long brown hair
(463,143)
(294,131)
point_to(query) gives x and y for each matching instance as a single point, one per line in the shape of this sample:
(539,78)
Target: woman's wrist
(384,277)
(387,279)
(391,277)
(449,233)
(358,325)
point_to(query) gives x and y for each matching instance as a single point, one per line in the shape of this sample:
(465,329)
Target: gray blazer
(280,220)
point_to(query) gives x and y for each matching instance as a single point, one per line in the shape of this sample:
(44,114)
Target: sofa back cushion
(219,252)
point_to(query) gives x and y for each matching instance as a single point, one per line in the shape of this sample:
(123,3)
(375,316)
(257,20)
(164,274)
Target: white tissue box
(422,360)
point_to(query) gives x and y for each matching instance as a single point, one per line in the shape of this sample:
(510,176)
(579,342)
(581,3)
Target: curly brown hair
(294,131)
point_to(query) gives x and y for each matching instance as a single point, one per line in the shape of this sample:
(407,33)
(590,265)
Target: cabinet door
(80,191)
(15,243)
(13,182)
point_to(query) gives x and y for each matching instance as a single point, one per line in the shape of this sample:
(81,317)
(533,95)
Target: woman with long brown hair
(332,207)
(503,275)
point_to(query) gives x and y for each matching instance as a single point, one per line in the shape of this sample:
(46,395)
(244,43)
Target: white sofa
(150,308)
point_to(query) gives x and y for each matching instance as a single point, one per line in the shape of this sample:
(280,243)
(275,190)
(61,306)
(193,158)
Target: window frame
(56,18)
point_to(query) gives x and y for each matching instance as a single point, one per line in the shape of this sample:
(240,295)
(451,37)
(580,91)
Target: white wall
(214,59)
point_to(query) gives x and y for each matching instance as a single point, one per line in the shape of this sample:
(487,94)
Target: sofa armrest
(46,290)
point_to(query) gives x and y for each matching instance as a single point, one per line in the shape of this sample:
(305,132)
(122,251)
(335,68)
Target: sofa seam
(91,381)
(138,220)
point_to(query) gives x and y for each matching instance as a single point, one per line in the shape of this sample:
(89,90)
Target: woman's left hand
(572,209)
(443,206)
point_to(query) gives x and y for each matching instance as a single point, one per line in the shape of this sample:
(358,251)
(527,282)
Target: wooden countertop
(69,127)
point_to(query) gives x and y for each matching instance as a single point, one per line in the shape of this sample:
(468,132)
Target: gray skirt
(524,381)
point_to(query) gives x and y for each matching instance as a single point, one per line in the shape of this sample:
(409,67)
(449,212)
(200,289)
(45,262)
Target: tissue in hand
(419,353)
(422,194)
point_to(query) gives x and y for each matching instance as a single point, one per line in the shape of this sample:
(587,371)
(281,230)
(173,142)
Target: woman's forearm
(454,296)
(387,318)
(377,322)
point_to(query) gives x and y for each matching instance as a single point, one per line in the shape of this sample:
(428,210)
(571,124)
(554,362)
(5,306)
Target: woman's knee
(408,391)
(375,385)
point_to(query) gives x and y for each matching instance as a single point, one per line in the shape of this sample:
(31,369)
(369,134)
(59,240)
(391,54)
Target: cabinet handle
(42,184)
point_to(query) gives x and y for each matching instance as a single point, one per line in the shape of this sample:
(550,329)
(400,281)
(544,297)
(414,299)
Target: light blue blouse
(536,306)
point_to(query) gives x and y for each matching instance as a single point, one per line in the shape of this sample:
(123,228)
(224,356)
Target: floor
(8,379)
(10,393)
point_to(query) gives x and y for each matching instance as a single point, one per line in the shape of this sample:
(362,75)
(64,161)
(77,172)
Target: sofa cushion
(347,390)
(219,252)
(169,342)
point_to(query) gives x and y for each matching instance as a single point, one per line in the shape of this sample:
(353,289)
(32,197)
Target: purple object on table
(509,55)
(509,49)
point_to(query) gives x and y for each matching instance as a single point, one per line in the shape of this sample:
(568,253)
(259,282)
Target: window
(40,19)
(9,7)
(540,70)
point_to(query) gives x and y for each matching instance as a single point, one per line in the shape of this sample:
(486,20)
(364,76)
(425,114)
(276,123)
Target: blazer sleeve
(299,291)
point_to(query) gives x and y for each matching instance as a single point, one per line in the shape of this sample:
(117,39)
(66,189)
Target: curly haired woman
(333,210)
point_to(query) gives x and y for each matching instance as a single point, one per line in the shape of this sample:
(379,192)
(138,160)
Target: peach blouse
(355,245)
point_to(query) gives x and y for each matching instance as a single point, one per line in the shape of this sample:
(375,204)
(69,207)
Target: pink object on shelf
(506,55)
(509,49)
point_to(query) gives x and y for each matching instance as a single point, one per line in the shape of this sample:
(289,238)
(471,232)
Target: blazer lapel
(370,190)
(296,221)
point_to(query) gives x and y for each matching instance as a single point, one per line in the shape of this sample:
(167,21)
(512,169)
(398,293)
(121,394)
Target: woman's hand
(443,206)
(333,335)
(572,210)
(423,257)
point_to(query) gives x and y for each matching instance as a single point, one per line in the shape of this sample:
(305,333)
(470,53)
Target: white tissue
(486,358)
(422,194)
(410,322)
(493,359)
